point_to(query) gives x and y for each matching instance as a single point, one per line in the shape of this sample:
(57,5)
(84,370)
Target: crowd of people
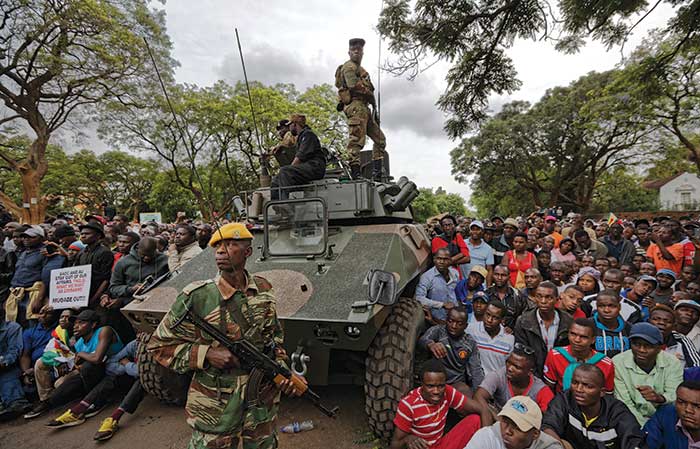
(555,331)
(543,332)
(49,357)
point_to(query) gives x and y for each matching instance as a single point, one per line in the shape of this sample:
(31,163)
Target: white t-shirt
(492,351)
(486,438)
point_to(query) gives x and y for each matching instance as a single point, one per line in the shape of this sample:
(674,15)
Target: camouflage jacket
(356,79)
(215,397)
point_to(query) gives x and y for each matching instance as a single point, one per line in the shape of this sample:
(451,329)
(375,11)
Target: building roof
(656,185)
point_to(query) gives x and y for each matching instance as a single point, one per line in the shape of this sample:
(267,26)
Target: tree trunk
(202,204)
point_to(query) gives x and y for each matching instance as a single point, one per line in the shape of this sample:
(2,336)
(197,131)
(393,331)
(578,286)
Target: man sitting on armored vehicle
(309,162)
(422,413)
(457,351)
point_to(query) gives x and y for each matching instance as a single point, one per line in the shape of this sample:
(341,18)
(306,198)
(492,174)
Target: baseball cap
(476,223)
(524,412)
(652,279)
(63,231)
(34,231)
(481,296)
(88,315)
(688,303)
(510,222)
(550,218)
(667,272)
(647,332)
(480,270)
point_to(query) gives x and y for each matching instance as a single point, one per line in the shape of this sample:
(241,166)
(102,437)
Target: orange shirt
(676,251)
(557,238)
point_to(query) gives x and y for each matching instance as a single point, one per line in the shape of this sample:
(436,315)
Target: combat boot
(355,172)
(377,168)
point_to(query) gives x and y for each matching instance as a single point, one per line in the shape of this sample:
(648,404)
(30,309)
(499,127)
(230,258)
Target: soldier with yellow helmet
(356,94)
(244,306)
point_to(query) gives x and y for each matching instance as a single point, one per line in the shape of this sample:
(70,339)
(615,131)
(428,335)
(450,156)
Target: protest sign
(70,287)
(145,217)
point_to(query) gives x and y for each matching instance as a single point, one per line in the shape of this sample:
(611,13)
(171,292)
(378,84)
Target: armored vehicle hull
(319,250)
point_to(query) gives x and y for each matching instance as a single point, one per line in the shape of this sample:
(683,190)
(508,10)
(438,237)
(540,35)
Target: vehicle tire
(166,385)
(389,365)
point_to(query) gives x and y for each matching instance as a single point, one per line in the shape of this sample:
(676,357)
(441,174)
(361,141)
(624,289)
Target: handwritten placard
(70,287)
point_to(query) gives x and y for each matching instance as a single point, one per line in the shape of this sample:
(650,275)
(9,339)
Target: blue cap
(647,332)
(481,296)
(667,272)
(646,277)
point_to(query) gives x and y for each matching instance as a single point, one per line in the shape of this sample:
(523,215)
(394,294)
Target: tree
(212,142)
(473,37)
(429,203)
(620,190)
(667,92)
(57,58)
(556,150)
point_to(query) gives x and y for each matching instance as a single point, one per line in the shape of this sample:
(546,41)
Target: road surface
(156,426)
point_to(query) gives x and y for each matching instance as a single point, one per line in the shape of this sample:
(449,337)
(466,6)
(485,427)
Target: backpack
(573,363)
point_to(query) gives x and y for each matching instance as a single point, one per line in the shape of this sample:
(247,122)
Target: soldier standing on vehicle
(356,93)
(244,306)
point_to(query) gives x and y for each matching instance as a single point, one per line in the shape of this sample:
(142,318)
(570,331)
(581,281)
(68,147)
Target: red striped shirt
(427,421)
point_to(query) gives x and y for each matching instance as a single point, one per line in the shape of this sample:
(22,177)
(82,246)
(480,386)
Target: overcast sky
(304,41)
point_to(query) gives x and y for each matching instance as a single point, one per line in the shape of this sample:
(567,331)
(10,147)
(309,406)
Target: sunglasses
(524,348)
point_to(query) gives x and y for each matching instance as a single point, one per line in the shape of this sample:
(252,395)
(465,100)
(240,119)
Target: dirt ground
(155,426)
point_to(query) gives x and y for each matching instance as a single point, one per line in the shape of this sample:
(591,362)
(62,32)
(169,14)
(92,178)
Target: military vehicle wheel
(389,365)
(166,385)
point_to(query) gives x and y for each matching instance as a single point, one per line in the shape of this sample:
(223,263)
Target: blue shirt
(35,340)
(433,290)
(10,342)
(479,255)
(28,267)
(661,430)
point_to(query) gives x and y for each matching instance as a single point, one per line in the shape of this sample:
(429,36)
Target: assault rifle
(261,366)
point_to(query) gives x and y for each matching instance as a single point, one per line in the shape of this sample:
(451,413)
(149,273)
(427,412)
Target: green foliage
(60,58)
(620,190)
(213,142)
(474,36)
(83,181)
(553,152)
(429,203)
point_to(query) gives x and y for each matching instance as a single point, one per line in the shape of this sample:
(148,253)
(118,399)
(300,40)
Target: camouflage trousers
(361,124)
(258,432)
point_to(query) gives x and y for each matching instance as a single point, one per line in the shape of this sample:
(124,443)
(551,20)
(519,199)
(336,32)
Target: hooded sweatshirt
(131,270)
(611,341)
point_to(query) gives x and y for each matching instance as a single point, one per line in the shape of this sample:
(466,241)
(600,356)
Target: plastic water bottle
(297,427)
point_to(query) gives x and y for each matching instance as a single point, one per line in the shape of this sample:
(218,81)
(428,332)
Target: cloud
(410,105)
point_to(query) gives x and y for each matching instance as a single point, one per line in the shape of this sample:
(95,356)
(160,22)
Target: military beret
(355,41)
(298,118)
(231,231)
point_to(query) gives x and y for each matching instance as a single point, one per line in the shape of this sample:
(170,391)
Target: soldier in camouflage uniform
(356,94)
(243,306)
(285,150)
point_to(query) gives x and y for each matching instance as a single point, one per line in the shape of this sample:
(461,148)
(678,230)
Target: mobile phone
(51,249)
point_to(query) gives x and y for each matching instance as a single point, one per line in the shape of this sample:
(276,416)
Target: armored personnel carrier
(344,258)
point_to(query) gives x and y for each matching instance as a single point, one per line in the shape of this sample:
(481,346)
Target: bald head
(147,248)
